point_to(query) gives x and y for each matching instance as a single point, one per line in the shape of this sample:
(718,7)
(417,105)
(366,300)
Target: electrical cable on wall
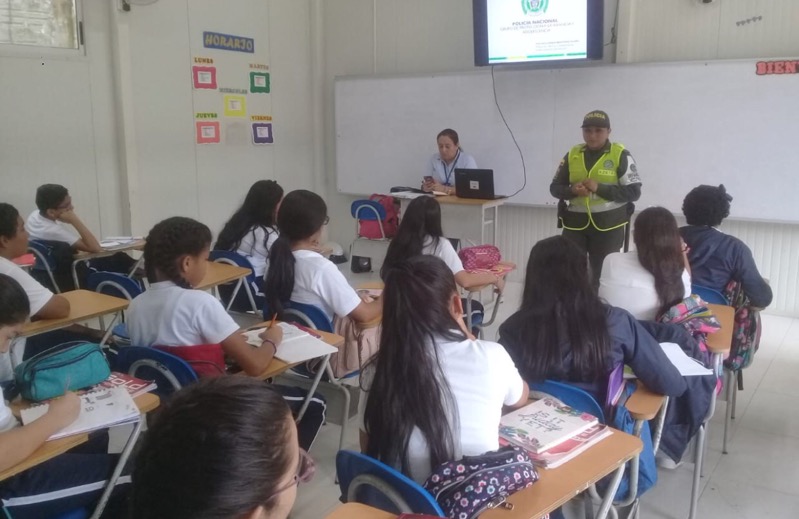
(521,155)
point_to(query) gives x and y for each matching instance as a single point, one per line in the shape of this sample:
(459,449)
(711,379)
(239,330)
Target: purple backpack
(466,488)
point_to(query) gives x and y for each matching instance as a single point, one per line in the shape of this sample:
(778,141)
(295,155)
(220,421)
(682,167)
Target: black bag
(361,264)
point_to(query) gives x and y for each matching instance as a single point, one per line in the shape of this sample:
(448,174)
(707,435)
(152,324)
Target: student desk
(467,219)
(221,273)
(359,511)
(86,256)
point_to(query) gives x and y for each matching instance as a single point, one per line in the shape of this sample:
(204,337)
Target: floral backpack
(468,487)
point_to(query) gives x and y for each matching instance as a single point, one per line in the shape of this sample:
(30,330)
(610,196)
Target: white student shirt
(482,378)
(168,315)
(41,228)
(625,283)
(445,173)
(252,247)
(38,296)
(444,250)
(7,420)
(318,282)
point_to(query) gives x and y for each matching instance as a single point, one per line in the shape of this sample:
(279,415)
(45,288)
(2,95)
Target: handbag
(466,488)
(66,367)
(480,257)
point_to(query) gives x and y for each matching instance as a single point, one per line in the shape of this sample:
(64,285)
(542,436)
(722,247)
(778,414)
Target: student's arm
(253,361)
(628,188)
(468,280)
(522,401)
(56,308)
(19,443)
(754,286)
(560,187)
(367,311)
(87,241)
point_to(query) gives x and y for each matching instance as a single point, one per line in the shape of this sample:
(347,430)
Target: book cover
(134,386)
(542,424)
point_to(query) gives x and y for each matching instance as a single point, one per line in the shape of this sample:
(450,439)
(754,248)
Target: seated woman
(222,448)
(655,277)
(716,258)
(193,324)
(70,481)
(251,231)
(432,393)
(563,331)
(440,176)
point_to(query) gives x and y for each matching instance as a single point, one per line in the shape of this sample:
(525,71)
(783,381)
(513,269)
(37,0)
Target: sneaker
(664,461)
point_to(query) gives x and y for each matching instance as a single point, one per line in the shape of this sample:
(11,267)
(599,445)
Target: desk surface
(48,450)
(136,245)
(83,305)
(721,341)
(359,511)
(454,200)
(277,366)
(221,273)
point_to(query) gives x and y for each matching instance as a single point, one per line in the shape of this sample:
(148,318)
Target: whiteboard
(685,124)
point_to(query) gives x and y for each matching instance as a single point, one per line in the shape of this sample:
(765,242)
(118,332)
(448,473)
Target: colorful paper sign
(260,117)
(262,133)
(204,77)
(259,82)
(216,40)
(235,106)
(207,132)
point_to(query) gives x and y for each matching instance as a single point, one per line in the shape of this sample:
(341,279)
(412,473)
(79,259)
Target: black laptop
(475,183)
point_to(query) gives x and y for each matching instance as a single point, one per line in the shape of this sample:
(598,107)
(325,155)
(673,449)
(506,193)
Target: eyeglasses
(327,220)
(305,472)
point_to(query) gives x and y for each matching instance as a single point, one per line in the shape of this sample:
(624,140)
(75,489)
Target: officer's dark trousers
(597,244)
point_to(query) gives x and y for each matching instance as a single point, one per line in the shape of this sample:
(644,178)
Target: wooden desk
(467,219)
(359,511)
(643,404)
(721,341)
(86,256)
(221,273)
(83,305)
(50,449)
(557,486)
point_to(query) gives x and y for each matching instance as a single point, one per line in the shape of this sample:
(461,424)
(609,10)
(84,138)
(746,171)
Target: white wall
(417,36)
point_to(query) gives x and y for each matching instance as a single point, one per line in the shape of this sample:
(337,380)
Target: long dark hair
(168,241)
(216,449)
(559,304)
(421,219)
(409,389)
(14,305)
(258,210)
(657,239)
(301,215)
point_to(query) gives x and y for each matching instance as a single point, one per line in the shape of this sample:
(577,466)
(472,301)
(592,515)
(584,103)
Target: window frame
(19,50)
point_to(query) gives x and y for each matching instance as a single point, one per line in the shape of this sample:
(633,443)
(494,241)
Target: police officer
(600,181)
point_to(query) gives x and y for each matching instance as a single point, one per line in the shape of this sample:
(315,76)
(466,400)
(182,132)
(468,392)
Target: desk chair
(116,285)
(169,372)
(251,288)
(709,295)
(312,317)
(367,211)
(45,262)
(368,481)
(585,402)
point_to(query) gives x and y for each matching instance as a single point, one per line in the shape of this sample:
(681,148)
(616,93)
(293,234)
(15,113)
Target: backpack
(746,333)
(466,488)
(480,257)
(371,229)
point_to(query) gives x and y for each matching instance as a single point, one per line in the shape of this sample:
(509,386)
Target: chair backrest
(168,371)
(114,284)
(367,210)
(233,258)
(571,396)
(45,261)
(709,295)
(368,481)
(306,315)
(238,300)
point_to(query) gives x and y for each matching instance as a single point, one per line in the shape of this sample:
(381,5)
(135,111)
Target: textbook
(559,454)
(118,242)
(99,410)
(134,386)
(538,426)
(297,344)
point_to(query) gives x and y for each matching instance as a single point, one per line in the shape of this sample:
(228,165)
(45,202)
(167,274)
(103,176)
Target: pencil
(274,318)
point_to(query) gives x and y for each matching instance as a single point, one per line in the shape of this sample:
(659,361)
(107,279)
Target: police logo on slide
(608,164)
(535,6)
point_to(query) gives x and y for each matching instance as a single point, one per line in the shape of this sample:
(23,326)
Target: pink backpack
(480,257)
(371,229)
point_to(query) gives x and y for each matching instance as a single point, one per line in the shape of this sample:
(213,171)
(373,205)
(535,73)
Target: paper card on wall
(259,82)
(235,106)
(262,133)
(204,77)
(207,132)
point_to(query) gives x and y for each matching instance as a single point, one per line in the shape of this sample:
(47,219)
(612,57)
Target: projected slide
(533,30)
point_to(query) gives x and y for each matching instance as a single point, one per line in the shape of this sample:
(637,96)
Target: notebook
(687,366)
(297,345)
(559,454)
(99,410)
(538,426)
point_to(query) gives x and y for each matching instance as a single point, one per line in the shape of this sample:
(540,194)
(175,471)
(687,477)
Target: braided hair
(167,242)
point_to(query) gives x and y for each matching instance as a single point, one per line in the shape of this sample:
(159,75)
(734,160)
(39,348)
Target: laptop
(475,183)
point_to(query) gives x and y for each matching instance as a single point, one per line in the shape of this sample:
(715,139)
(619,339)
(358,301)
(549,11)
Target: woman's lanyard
(448,174)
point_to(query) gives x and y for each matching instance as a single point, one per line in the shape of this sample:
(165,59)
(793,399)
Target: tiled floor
(758,478)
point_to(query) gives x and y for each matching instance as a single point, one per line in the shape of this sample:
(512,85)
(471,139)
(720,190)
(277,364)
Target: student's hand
(441,188)
(365,297)
(65,409)
(591,184)
(579,190)
(68,217)
(274,334)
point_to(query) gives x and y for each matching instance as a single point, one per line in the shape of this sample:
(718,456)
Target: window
(40,23)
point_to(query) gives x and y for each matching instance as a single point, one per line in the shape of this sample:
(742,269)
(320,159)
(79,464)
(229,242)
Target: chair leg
(738,383)
(698,466)
(728,411)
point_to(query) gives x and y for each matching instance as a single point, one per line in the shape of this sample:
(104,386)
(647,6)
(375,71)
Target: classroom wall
(416,36)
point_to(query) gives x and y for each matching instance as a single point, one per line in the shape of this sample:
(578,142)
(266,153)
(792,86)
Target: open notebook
(297,345)
(99,410)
